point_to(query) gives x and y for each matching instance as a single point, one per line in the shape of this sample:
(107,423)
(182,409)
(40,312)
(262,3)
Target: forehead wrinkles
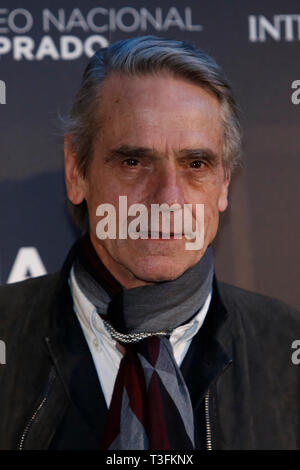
(162,103)
(151,90)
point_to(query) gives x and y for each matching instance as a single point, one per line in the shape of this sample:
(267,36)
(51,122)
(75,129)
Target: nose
(168,187)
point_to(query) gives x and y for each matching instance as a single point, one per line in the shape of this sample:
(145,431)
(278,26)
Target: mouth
(160,236)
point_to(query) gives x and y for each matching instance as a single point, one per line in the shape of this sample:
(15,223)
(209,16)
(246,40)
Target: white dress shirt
(103,348)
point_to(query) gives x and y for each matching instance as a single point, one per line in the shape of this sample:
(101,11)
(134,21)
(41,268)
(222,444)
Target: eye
(197,164)
(130,162)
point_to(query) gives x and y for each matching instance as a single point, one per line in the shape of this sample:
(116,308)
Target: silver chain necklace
(131,337)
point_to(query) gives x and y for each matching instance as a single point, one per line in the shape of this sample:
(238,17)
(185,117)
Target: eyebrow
(206,154)
(126,151)
(129,152)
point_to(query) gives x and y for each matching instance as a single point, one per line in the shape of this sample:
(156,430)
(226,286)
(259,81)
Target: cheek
(100,189)
(216,195)
(211,224)
(211,212)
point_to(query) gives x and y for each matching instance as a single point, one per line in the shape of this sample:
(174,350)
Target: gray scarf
(161,306)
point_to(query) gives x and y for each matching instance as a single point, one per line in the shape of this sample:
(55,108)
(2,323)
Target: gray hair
(147,55)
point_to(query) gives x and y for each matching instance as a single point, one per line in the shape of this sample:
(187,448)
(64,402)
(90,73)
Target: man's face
(160,141)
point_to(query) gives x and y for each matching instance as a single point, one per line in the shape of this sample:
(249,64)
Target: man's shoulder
(257,308)
(21,297)
(28,286)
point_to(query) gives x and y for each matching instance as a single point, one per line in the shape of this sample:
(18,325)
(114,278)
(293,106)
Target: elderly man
(135,344)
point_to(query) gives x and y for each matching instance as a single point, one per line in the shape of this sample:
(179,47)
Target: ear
(223,197)
(75,184)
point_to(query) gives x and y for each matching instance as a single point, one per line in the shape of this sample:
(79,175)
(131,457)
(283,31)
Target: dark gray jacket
(243,384)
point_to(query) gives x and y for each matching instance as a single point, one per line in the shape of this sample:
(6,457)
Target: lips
(160,236)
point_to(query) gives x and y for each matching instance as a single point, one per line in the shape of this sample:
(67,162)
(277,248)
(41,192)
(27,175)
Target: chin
(159,269)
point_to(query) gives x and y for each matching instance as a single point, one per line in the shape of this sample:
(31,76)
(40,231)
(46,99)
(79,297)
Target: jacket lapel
(72,399)
(210,351)
(75,366)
